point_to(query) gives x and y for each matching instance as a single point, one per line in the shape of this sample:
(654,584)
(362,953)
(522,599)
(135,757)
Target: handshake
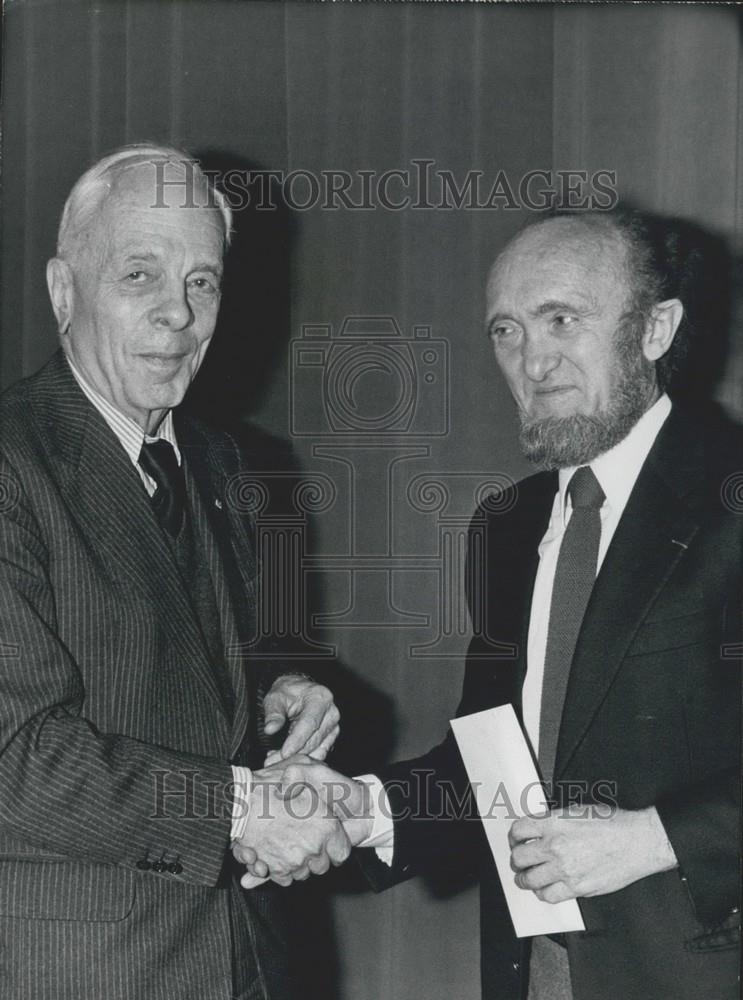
(300,817)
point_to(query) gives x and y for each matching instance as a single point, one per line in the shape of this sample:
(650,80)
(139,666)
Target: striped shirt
(128,432)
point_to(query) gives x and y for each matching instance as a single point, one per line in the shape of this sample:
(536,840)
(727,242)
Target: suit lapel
(656,527)
(231,565)
(108,500)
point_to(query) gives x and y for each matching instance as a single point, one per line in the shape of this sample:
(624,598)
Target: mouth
(557,390)
(555,400)
(159,359)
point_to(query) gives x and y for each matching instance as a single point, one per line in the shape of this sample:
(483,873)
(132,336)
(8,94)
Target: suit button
(515,966)
(175,868)
(159,867)
(144,865)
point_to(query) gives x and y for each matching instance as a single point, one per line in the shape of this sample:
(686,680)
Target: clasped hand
(303,818)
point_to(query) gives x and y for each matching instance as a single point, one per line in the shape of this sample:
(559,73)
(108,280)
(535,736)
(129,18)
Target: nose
(539,356)
(172,310)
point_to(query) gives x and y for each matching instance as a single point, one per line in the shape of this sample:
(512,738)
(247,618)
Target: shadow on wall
(241,365)
(248,348)
(254,319)
(698,267)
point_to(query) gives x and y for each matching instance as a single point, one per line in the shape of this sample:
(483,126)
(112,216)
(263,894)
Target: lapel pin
(218,504)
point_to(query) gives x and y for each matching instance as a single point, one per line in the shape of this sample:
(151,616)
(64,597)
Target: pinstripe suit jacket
(115,743)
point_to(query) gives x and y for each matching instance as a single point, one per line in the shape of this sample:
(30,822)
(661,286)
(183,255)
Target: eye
(136,277)
(501,333)
(564,320)
(203,284)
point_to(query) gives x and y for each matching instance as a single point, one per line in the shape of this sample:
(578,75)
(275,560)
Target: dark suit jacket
(651,717)
(115,737)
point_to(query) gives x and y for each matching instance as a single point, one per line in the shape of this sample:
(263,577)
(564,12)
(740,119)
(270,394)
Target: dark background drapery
(651,93)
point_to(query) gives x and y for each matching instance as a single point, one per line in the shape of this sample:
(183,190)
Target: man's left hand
(574,852)
(311,712)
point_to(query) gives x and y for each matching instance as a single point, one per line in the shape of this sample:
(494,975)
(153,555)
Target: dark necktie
(158,459)
(574,578)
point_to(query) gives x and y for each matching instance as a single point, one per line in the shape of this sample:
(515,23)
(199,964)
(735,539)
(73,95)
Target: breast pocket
(666,634)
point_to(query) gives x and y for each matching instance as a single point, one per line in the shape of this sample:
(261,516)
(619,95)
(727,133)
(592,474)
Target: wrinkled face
(142,294)
(557,303)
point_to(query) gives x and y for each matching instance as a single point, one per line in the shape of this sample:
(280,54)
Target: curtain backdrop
(351,346)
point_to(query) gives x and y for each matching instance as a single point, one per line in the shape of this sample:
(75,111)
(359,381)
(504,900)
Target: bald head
(591,240)
(170,170)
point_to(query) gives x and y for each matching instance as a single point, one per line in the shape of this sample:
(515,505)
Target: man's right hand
(343,799)
(292,830)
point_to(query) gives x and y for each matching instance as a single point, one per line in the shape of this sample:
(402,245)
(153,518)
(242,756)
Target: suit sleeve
(703,820)
(436,821)
(435,818)
(703,826)
(65,787)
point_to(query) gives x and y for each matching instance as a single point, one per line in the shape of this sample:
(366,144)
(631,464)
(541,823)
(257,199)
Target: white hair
(91,190)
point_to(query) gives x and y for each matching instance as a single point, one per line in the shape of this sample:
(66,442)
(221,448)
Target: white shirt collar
(128,432)
(617,469)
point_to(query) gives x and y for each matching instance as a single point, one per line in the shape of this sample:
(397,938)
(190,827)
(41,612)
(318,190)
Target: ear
(61,292)
(661,328)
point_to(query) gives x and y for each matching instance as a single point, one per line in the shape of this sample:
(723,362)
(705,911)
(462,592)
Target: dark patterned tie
(574,579)
(159,461)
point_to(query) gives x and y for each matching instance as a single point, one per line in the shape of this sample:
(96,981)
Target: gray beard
(559,442)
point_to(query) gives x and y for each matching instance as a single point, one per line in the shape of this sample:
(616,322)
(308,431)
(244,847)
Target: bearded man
(615,576)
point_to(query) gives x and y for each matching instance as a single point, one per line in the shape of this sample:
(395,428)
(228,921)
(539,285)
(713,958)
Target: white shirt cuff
(243,781)
(382,836)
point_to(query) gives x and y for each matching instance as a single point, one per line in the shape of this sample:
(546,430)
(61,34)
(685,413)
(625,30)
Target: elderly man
(128,720)
(616,576)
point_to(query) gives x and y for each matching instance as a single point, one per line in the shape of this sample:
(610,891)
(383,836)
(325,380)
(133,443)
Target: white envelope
(506,785)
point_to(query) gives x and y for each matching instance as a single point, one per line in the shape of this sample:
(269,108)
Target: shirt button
(159,867)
